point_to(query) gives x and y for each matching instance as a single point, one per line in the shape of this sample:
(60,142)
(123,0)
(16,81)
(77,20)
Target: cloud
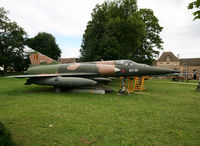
(67,20)
(70,52)
(60,17)
(180,33)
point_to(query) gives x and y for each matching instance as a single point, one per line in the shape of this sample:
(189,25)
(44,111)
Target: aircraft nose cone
(175,71)
(165,71)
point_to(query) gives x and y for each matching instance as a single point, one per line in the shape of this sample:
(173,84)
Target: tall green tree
(118,30)
(12,38)
(195,5)
(151,41)
(46,44)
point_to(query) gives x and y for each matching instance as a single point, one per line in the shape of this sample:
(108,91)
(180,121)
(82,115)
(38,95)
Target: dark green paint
(87,73)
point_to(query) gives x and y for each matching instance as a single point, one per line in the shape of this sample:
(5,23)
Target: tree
(193,5)
(22,61)
(46,44)
(151,41)
(118,30)
(12,39)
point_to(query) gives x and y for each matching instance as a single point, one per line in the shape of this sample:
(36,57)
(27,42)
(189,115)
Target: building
(189,67)
(39,58)
(67,60)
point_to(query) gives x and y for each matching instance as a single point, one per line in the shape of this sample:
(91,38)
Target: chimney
(178,55)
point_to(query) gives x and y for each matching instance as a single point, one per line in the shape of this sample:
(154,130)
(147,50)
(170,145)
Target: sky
(67,21)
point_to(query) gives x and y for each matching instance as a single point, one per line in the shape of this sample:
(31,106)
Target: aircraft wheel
(57,89)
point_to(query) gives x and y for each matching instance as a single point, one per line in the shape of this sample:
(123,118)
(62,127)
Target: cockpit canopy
(125,62)
(129,63)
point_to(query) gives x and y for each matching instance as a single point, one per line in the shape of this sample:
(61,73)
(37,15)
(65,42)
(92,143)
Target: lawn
(166,113)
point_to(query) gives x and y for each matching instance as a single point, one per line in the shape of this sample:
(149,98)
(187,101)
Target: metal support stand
(57,89)
(123,88)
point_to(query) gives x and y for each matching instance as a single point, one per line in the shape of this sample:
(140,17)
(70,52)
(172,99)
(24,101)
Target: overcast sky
(67,20)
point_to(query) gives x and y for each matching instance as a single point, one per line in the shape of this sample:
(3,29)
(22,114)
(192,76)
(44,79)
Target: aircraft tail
(38,58)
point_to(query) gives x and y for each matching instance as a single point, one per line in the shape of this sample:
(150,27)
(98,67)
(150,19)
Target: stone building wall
(169,65)
(187,67)
(189,71)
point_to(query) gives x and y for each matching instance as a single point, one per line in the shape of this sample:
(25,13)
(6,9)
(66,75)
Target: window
(167,59)
(185,72)
(184,65)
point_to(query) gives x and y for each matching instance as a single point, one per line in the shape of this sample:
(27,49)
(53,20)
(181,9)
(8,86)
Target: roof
(164,57)
(67,60)
(190,61)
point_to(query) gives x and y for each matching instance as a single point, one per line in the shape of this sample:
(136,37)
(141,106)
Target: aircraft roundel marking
(123,70)
(35,56)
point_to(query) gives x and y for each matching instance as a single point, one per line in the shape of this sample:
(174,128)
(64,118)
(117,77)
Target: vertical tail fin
(38,58)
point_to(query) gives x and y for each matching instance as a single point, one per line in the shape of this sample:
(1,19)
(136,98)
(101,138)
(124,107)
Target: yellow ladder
(134,84)
(140,84)
(129,84)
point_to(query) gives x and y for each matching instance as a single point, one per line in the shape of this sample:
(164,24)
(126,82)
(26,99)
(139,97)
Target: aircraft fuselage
(116,68)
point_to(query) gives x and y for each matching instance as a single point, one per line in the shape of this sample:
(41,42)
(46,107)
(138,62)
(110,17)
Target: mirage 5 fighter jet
(46,71)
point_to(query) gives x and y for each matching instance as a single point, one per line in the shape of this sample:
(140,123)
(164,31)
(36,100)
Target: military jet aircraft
(46,71)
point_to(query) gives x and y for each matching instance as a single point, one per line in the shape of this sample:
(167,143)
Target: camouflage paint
(104,69)
(73,66)
(84,74)
(43,69)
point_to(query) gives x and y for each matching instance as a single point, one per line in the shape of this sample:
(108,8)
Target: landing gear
(123,88)
(57,89)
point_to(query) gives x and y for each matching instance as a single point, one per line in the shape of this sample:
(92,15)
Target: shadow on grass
(50,89)
(39,89)
(18,91)
(5,137)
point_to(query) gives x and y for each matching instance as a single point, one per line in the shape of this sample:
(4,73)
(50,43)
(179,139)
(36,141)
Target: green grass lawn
(165,114)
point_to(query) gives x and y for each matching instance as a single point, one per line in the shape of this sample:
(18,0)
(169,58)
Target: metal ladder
(140,84)
(133,84)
